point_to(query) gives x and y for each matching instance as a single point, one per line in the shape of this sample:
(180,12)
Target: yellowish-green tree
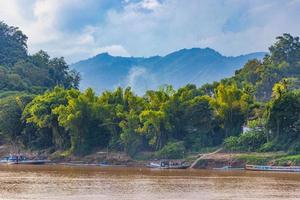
(231,105)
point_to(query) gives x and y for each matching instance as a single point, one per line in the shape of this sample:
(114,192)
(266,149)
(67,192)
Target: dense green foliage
(121,120)
(21,77)
(13,45)
(172,150)
(31,73)
(283,62)
(263,95)
(284,121)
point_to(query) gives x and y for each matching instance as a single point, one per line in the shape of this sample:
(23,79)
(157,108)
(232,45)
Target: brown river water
(89,183)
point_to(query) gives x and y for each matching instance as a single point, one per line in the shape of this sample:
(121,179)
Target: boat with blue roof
(20,159)
(272,168)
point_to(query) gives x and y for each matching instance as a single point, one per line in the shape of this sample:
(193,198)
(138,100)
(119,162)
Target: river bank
(207,160)
(238,160)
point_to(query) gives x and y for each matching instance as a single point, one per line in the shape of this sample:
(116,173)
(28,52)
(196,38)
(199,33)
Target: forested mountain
(42,109)
(195,66)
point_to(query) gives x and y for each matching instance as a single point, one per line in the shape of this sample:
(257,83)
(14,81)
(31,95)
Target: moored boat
(17,159)
(106,164)
(272,168)
(228,168)
(168,165)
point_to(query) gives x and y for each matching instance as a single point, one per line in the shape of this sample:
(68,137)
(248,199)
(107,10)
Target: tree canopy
(13,45)
(31,73)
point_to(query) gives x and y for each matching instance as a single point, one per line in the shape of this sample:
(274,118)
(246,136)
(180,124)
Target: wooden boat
(168,165)
(106,164)
(82,164)
(15,159)
(75,164)
(228,168)
(272,168)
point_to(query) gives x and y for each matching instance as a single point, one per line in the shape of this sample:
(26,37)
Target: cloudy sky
(78,29)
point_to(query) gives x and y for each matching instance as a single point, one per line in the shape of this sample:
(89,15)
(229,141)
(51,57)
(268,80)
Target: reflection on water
(88,183)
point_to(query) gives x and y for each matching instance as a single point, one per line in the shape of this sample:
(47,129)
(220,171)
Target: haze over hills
(196,65)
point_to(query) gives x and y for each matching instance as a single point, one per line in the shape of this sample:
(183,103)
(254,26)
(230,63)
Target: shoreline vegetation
(256,111)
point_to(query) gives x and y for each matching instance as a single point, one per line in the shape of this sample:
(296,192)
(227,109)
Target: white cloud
(42,24)
(266,20)
(150,4)
(135,73)
(230,26)
(140,79)
(74,29)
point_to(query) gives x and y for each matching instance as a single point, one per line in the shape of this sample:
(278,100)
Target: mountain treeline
(262,96)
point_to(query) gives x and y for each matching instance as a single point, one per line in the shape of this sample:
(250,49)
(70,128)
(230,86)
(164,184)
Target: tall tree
(286,49)
(11,124)
(13,45)
(40,112)
(283,118)
(231,105)
(80,117)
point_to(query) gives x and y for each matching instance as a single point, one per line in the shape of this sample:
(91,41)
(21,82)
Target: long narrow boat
(272,168)
(13,159)
(228,168)
(168,165)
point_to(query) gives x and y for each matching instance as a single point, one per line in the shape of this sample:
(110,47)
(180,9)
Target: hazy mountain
(198,66)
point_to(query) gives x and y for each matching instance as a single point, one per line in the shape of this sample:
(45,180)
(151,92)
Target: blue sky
(78,29)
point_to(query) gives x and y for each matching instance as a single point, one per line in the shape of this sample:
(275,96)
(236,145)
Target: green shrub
(267,147)
(288,160)
(254,159)
(249,141)
(173,150)
(231,143)
(294,148)
(252,140)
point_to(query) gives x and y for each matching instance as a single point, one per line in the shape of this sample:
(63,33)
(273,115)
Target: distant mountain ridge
(196,65)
